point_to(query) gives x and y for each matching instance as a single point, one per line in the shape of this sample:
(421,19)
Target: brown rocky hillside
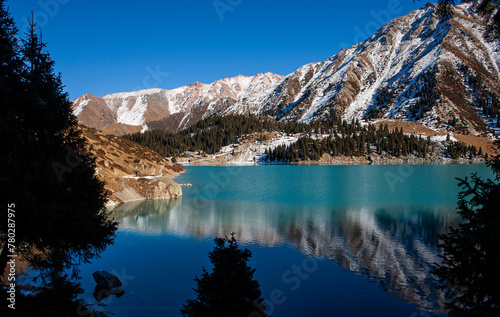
(118,160)
(488,145)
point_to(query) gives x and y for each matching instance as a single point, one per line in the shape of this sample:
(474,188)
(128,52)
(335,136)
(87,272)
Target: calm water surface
(332,240)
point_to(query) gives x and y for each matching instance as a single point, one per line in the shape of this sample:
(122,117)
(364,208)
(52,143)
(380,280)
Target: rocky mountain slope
(441,74)
(118,160)
(174,109)
(417,68)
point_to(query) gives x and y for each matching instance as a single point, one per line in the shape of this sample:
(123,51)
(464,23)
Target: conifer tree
(230,290)
(59,201)
(469,271)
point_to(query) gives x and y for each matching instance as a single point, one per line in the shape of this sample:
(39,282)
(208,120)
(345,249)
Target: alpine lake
(348,240)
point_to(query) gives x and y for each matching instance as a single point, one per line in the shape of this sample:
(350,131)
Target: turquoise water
(332,240)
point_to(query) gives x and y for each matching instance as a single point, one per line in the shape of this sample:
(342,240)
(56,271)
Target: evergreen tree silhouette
(47,173)
(470,269)
(230,290)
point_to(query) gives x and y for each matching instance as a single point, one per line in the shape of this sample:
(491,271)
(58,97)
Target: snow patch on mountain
(132,114)
(78,107)
(250,153)
(139,93)
(240,94)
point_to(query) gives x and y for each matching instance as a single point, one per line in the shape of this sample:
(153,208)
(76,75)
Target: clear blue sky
(112,46)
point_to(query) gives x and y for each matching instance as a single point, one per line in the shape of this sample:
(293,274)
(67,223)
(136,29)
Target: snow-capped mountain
(418,67)
(173,109)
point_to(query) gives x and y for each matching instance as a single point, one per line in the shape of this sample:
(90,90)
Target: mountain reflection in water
(394,246)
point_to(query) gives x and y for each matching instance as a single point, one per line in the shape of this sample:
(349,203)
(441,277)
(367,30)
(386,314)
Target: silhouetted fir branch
(469,270)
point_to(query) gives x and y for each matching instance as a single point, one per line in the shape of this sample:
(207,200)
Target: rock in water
(106,280)
(101,293)
(118,291)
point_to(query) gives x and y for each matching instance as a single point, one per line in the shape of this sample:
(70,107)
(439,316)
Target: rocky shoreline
(394,161)
(124,190)
(327,159)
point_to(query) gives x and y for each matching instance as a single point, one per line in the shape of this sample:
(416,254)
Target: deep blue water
(329,240)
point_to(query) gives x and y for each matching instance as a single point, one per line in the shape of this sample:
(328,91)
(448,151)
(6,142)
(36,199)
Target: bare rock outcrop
(125,190)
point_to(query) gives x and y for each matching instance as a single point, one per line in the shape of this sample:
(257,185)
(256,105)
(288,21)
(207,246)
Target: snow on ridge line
(131,107)
(228,80)
(137,93)
(79,106)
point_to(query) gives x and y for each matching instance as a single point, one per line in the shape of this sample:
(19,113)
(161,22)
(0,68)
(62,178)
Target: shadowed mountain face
(396,247)
(416,67)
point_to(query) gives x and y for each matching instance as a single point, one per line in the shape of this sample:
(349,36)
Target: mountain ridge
(417,68)
(350,81)
(138,108)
